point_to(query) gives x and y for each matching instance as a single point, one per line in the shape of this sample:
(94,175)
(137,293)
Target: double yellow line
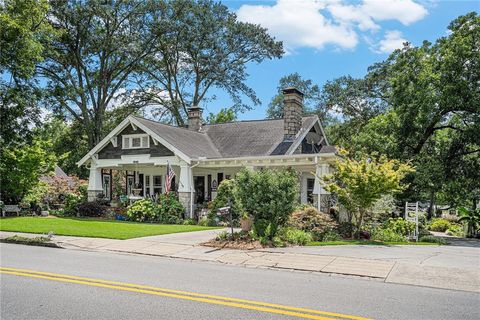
(184,295)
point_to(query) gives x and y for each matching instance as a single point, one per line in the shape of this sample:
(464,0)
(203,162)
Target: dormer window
(135,141)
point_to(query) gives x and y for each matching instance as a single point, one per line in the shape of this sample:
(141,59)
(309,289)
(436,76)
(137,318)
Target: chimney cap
(290,90)
(192,108)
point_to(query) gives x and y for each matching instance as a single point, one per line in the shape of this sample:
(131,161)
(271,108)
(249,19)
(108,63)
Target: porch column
(320,171)
(94,183)
(185,188)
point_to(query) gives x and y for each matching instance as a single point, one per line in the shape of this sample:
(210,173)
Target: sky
(326,39)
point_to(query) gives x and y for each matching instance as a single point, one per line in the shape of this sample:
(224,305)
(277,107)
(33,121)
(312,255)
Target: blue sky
(326,39)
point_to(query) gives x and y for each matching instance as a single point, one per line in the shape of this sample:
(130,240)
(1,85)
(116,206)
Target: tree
(472,218)
(93,62)
(200,45)
(359,184)
(21,168)
(269,196)
(23,30)
(312,98)
(224,115)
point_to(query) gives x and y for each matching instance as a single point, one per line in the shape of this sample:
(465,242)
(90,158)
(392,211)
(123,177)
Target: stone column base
(184,198)
(92,194)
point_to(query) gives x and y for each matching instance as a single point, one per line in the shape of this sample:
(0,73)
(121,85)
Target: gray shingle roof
(229,140)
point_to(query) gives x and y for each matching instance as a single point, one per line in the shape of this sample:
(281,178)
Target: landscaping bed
(37,241)
(88,227)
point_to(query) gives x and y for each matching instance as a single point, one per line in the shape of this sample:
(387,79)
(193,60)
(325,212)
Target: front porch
(196,183)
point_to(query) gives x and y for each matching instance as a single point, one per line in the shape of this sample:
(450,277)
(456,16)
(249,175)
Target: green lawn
(366,242)
(92,227)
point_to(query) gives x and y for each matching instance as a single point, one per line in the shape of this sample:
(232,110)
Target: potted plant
(246,222)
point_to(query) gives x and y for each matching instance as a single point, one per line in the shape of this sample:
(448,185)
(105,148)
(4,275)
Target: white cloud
(317,23)
(300,24)
(392,40)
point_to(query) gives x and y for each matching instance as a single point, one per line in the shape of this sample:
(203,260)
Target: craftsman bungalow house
(202,155)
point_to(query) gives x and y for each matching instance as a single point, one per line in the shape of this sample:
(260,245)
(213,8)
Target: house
(202,155)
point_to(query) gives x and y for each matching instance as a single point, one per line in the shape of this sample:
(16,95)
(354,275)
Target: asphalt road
(27,295)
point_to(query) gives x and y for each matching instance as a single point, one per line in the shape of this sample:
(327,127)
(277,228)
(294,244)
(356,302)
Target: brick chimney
(195,118)
(292,112)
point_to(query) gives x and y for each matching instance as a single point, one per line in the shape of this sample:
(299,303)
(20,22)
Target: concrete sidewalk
(445,267)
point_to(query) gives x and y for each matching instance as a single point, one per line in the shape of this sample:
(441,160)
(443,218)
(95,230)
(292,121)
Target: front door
(199,184)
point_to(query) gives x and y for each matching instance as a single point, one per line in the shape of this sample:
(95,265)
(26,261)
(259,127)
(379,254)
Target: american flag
(168,178)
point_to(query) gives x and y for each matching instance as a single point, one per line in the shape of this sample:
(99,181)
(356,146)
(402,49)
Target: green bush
(143,210)
(345,229)
(294,236)
(331,235)
(225,197)
(71,202)
(432,239)
(399,226)
(169,205)
(167,211)
(311,220)
(439,224)
(189,222)
(90,209)
(386,235)
(269,196)
(455,230)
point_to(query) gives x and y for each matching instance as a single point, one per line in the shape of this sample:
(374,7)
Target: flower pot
(246,224)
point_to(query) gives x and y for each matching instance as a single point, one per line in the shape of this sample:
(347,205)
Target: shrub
(345,229)
(207,222)
(225,196)
(331,235)
(189,222)
(386,235)
(72,200)
(269,196)
(90,209)
(399,226)
(311,220)
(432,239)
(439,224)
(169,205)
(294,236)
(455,230)
(143,210)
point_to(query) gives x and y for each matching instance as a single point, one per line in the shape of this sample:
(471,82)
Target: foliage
(294,236)
(225,197)
(433,239)
(346,229)
(399,226)
(203,46)
(189,222)
(471,218)
(167,211)
(387,235)
(455,230)
(312,98)
(169,205)
(143,210)
(91,209)
(439,224)
(311,220)
(358,184)
(24,28)
(21,168)
(269,196)
(224,115)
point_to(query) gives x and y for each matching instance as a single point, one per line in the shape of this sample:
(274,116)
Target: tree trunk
(432,203)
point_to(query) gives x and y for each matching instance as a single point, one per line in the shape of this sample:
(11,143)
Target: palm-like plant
(472,218)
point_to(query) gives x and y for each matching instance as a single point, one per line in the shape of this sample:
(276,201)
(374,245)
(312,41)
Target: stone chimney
(195,118)
(292,112)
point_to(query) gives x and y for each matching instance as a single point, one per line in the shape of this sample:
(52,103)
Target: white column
(320,171)
(94,182)
(185,188)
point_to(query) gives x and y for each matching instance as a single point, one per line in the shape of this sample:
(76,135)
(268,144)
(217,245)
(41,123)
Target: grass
(366,242)
(92,227)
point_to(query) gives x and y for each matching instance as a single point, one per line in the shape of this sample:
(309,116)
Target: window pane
(157,181)
(136,142)
(126,143)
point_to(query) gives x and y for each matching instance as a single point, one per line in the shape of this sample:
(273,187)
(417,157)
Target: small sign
(223,211)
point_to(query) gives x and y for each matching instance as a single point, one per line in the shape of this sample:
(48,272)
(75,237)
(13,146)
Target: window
(135,141)
(157,184)
(310,185)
